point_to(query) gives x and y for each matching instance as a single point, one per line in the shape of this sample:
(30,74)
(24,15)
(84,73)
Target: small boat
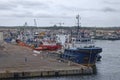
(83,50)
(50,47)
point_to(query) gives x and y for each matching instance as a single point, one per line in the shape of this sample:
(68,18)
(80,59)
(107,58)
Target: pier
(22,62)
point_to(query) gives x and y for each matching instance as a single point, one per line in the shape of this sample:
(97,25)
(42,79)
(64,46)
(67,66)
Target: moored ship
(83,50)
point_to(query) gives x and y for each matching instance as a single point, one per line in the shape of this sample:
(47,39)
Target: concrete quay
(22,62)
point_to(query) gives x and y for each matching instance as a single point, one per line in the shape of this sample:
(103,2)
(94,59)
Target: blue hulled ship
(82,49)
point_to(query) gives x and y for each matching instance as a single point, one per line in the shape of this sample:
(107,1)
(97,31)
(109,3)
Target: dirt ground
(18,58)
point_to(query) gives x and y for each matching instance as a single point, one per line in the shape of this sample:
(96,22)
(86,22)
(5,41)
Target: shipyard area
(17,61)
(59,40)
(28,52)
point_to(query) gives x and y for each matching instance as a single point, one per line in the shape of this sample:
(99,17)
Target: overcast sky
(49,12)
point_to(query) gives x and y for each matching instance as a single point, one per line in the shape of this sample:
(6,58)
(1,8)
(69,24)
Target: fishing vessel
(49,43)
(83,50)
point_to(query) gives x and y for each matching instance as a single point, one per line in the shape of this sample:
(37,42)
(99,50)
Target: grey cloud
(17,14)
(28,14)
(72,8)
(28,8)
(23,14)
(22,5)
(105,9)
(7,6)
(31,4)
(111,2)
(23,8)
(31,15)
(108,9)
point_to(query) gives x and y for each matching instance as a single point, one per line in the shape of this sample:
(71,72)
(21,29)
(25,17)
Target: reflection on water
(108,68)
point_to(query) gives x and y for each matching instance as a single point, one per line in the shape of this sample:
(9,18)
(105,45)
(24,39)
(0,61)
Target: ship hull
(82,55)
(48,47)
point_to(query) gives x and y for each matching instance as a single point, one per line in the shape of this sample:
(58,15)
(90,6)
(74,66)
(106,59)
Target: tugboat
(83,50)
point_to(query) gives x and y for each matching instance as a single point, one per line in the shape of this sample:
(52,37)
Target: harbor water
(107,69)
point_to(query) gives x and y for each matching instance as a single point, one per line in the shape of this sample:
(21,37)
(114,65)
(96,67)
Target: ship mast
(78,24)
(35,26)
(35,23)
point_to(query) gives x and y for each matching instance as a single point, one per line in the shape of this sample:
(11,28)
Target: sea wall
(62,72)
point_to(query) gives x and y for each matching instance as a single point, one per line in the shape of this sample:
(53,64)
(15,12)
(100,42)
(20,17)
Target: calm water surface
(108,68)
